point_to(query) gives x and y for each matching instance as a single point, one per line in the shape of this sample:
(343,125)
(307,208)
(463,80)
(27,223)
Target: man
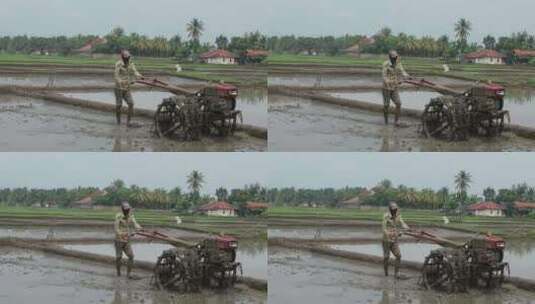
(393,72)
(392,226)
(124,221)
(125,75)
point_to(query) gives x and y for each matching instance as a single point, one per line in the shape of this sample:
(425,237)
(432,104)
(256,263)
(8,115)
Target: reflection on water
(59,80)
(519,253)
(252,255)
(252,102)
(518,102)
(54,80)
(304,80)
(322,80)
(54,232)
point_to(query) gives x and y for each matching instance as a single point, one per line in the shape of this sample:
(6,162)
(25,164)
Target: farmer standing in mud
(393,74)
(392,226)
(124,221)
(125,75)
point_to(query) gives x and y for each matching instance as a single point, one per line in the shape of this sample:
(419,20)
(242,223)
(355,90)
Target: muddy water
(301,277)
(519,254)
(343,81)
(31,277)
(34,125)
(61,80)
(520,103)
(253,256)
(69,232)
(342,232)
(298,124)
(252,102)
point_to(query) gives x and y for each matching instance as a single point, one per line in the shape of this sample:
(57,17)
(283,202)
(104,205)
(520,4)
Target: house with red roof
(485,57)
(522,56)
(218,57)
(88,202)
(218,209)
(90,46)
(256,208)
(524,208)
(487,209)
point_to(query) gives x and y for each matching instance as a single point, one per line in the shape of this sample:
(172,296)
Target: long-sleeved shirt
(392,75)
(392,226)
(125,75)
(123,226)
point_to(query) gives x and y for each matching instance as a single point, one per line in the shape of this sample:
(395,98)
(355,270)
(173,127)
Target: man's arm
(403,72)
(403,224)
(385,73)
(384,225)
(136,225)
(116,226)
(116,74)
(136,73)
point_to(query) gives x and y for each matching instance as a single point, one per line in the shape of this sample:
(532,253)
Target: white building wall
(221,213)
(488,60)
(493,213)
(221,60)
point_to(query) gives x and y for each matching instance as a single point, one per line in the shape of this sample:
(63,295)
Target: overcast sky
(313,170)
(231,17)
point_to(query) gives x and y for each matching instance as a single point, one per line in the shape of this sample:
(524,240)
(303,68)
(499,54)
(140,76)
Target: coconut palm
(463,180)
(195,181)
(462,32)
(195,28)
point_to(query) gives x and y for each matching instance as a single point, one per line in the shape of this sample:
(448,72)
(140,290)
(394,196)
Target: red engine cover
(494,242)
(226,242)
(494,87)
(226,90)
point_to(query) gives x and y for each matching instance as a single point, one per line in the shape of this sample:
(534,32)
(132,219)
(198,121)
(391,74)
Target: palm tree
(462,31)
(195,181)
(443,193)
(463,180)
(221,42)
(195,28)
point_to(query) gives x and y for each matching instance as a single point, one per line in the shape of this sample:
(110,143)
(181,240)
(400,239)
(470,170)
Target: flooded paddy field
(252,102)
(252,254)
(299,124)
(297,276)
(519,102)
(325,81)
(66,80)
(70,232)
(348,232)
(519,253)
(32,277)
(31,124)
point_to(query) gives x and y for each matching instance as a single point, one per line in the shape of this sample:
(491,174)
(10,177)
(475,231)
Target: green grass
(503,226)
(205,72)
(518,75)
(236,226)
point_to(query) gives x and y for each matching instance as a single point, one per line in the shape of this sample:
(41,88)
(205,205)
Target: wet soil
(34,125)
(252,255)
(300,277)
(520,257)
(66,80)
(66,232)
(325,81)
(518,102)
(252,102)
(31,277)
(326,232)
(298,124)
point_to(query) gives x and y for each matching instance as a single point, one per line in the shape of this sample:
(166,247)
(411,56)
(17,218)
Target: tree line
(190,197)
(190,47)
